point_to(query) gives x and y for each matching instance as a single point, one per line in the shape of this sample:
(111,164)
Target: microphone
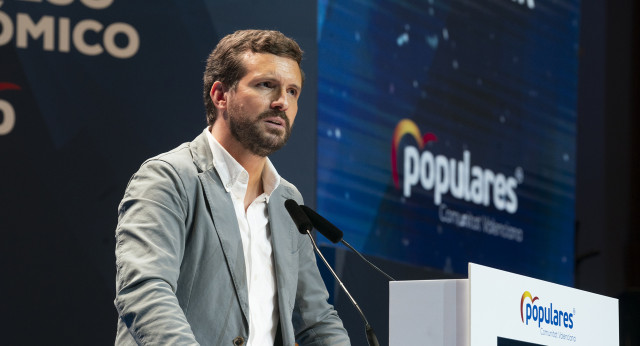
(334,235)
(304,226)
(298,216)
(323,225)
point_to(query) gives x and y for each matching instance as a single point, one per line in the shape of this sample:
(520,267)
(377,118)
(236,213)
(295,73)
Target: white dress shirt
(256,241)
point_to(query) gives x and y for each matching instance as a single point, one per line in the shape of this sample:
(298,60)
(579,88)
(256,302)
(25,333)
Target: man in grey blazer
(205,250)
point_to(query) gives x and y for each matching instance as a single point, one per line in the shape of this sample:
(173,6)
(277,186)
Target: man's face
(263,104)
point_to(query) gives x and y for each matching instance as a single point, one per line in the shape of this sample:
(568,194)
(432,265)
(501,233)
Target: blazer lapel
(224,218)
(284,239)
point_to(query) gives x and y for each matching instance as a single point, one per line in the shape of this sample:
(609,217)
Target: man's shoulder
(178,156)
(179,159)
(289,190)
(285,183)
(187,158)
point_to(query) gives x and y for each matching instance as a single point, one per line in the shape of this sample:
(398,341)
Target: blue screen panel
(446,131)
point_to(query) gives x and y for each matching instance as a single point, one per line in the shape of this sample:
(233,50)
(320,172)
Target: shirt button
(238,341)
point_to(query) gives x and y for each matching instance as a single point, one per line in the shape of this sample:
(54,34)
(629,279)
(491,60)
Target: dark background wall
(67,161)
(608,193)
(57,253)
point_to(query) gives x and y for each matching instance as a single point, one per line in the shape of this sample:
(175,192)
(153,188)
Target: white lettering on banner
(94,4)
(462,220)
(27,26)
(59,2)
(64,25)
(478,223)
(7,28)
(8,117)
(100,4)
(70,34)
(460,179)
(491,227)
(78,37)
(110,40)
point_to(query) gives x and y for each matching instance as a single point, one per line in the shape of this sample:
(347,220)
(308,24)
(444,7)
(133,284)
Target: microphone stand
(334,234)
(371,336)
(344,242)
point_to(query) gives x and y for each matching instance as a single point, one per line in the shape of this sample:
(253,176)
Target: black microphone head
(299,217)
(323,225)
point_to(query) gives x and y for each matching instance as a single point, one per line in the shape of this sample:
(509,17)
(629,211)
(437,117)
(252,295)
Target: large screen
(446,131)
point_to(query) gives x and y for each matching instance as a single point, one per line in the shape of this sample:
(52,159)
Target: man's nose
(281,102)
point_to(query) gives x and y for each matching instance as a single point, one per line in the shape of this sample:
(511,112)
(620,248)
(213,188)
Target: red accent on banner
(9,86)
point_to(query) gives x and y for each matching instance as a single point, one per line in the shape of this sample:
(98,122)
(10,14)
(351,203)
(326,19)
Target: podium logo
(535,312)
(448,175)
(7,113)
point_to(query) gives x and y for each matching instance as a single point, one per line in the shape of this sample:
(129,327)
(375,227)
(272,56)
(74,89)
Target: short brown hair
(225,61)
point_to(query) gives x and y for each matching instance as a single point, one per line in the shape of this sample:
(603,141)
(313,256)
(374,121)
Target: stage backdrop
(446,131)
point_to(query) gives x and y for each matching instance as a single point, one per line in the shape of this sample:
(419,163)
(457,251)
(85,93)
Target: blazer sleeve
(150,243)
(314,320)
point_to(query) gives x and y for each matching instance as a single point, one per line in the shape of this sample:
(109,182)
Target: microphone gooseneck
(304,226)
(334,235)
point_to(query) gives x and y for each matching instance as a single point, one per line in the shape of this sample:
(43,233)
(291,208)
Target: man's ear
(218,95)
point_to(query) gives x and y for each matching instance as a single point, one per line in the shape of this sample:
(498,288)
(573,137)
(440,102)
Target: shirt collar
(234,177)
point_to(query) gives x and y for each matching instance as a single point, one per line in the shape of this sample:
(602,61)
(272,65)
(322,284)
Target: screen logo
(444,175)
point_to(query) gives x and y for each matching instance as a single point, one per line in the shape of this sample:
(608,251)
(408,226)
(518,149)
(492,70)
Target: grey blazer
(180,266)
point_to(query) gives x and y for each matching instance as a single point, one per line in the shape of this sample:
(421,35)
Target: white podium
(494,307)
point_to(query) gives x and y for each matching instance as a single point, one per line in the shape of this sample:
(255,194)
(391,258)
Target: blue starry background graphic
(497,78)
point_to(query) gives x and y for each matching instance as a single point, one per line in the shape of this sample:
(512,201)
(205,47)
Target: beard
(254,136)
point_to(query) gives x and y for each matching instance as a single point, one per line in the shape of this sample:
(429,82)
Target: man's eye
(293,92)
(265,84)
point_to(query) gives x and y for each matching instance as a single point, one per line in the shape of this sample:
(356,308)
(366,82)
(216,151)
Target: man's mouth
(275,120)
